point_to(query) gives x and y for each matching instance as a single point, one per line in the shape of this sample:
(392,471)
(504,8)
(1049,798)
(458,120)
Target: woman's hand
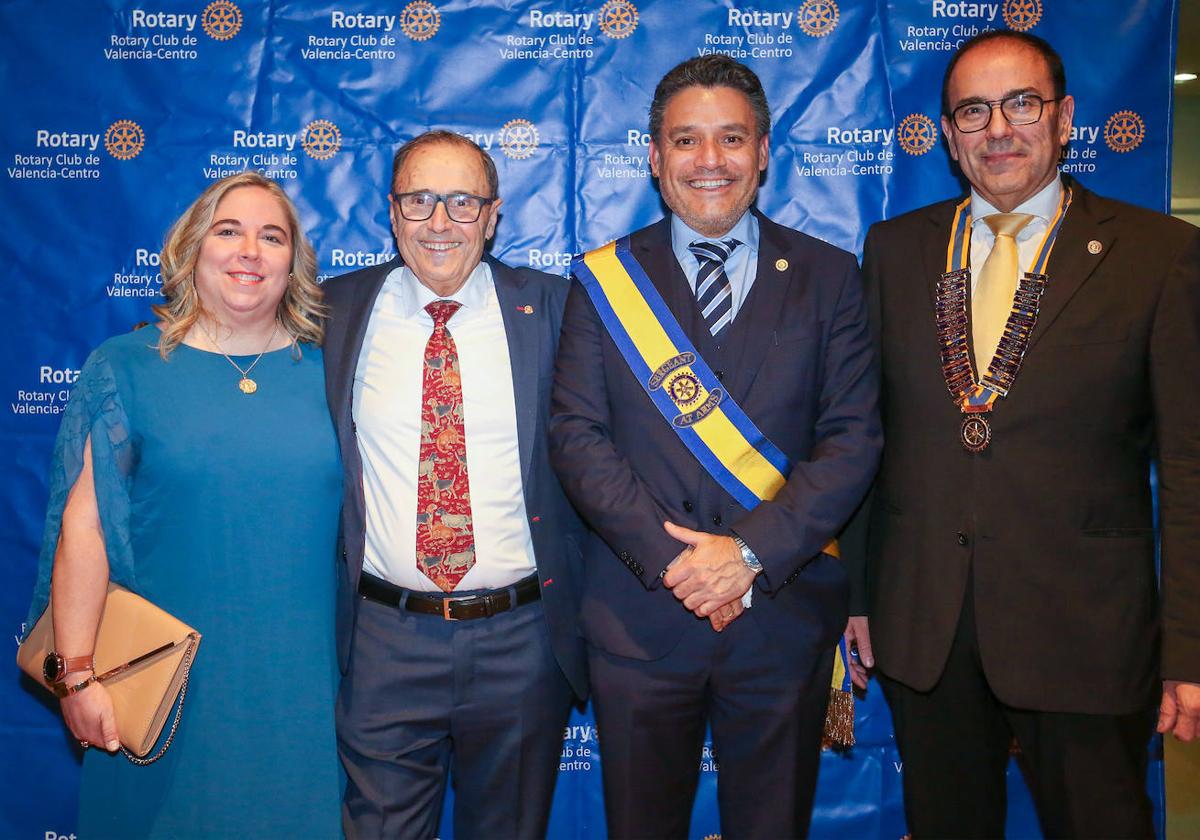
(89,716)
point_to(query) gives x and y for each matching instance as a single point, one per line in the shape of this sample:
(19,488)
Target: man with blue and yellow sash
(1039,347)
(714,420)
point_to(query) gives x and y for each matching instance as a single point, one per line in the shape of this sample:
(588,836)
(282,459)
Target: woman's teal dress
(221,508)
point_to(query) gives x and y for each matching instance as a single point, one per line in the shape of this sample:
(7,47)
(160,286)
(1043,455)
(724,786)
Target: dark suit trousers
(1087,773)
(766,709)
(483,701)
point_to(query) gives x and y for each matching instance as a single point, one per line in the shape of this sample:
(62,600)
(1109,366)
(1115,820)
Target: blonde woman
(197,466)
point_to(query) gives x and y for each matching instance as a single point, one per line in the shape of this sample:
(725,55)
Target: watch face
(52,667)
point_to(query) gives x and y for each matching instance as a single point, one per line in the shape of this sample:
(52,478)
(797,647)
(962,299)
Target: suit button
(688,506)
(720,374)
(717,520)
(962,538)
(624,555)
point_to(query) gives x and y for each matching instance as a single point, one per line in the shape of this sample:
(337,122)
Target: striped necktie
(713,292)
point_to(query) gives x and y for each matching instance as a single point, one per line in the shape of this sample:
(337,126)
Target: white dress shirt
(388,385)
(1041,206)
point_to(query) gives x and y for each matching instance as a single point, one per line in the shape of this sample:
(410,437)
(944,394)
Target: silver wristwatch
(748,555)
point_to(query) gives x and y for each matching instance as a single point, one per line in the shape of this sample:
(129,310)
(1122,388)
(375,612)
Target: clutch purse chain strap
(187,671)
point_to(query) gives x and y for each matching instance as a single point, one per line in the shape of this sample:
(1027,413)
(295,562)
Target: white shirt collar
(1043,204)
(415,296)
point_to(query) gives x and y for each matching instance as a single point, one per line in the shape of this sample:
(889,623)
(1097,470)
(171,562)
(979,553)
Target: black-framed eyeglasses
(463,208)
(1018,109)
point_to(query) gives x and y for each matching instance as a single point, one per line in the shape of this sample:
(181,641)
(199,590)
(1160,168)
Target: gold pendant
(248,385)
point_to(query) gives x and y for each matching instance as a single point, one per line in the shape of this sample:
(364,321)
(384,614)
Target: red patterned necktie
(445,534)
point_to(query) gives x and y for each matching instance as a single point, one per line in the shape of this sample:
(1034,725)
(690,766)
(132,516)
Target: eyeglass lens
(460,207)
(1022,109)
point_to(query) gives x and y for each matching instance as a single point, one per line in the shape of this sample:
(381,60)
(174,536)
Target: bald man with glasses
(1039,345)
(459,560)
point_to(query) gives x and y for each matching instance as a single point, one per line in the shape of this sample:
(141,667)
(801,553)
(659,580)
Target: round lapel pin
(781,264)
(1095,246)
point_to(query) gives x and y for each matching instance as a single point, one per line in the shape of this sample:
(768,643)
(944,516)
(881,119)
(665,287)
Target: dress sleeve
(94,410)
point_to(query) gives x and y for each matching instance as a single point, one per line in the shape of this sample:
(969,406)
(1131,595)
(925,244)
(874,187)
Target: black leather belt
(450,607)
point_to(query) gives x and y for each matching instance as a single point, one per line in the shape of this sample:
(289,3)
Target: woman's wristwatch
(55,667)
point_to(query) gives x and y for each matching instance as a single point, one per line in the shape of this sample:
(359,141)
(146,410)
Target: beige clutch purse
(143,656)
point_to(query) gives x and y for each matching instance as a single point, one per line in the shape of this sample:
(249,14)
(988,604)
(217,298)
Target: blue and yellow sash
(709,422)
(681,384)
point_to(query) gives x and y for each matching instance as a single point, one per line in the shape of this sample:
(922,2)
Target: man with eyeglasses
(459,558)
(1039,345)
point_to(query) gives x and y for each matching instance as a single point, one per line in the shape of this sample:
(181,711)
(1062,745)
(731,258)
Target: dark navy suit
(532,304)
(798,359)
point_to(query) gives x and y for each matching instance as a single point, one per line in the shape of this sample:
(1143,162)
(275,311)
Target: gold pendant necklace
(245,384)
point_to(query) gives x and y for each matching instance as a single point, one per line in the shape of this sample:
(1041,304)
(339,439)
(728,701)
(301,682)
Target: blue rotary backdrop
(120,112)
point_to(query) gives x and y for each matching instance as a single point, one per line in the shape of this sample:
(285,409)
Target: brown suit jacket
(1056,516)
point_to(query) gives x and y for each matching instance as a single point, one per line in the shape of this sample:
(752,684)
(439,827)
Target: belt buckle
(446,602)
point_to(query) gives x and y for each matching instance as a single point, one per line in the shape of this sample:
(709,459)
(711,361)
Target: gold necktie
(992,300)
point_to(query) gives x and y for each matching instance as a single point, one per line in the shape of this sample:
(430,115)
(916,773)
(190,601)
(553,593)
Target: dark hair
(1058,76)
(437,136)
(710,71)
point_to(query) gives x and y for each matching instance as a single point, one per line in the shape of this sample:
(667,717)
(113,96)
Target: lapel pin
(781,264)
(1095,246)
(527,309)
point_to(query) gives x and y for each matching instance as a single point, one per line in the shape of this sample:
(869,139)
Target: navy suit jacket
(798,359)
(532,343)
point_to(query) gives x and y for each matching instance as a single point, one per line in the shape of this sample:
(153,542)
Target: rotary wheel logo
(321,139)
(917,134)
(1021,15)
(618,18)
(817,18)
(684,388)
(420,20)
(1124,131)
(221,20)
(124,139)
(519,139)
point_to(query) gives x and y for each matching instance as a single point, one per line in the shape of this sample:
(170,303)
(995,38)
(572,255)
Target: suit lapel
(652,249)
(357,317)
(1073,261)
(934,245)
(763,307)
(522,327)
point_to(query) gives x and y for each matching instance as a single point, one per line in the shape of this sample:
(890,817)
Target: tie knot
(1007,224)
(442,311)
(718,251)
